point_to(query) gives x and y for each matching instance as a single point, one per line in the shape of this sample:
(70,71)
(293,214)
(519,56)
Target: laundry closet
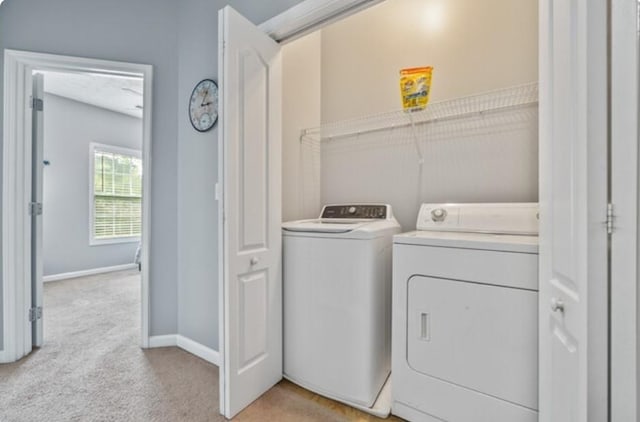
(345,138)
(350,149)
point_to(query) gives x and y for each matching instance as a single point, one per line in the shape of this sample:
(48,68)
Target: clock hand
(206,93)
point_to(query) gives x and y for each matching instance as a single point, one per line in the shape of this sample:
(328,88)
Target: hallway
(92,368)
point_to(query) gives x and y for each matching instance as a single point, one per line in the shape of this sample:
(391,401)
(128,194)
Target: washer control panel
(367,211)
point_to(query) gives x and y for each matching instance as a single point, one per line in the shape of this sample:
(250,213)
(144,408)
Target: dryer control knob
(352,210)
(438,214)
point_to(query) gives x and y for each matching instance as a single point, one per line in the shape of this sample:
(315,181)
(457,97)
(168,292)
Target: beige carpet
(91,368)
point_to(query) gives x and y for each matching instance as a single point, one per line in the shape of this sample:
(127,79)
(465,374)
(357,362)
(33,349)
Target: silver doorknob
(254,261)
(557,305)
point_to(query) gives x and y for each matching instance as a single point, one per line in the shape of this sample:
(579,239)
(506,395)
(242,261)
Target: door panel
(250,148)
(253,314)
(253,140)
(573,203)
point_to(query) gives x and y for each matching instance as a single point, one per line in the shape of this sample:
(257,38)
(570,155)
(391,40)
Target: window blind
(117,195)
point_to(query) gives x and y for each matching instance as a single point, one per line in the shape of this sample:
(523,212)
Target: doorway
(87,174)
(22,299)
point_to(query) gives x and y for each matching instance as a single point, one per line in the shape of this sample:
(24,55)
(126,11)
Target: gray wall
(197,166)
(139,31)
(70,127)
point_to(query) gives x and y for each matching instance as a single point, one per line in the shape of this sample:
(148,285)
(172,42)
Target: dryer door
(478,336)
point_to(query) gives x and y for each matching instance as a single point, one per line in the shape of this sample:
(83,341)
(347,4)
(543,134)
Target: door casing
(625,197)
(16,187)
(292,23)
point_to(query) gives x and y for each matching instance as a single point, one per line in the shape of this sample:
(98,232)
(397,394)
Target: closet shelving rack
(498,101)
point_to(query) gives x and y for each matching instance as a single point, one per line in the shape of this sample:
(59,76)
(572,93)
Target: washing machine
(465,314)
(337,301)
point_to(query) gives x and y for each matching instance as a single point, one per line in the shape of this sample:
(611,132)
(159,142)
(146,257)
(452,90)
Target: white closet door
(625,109)
(250,147)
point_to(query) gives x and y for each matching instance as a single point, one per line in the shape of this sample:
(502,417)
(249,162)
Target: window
(116,194)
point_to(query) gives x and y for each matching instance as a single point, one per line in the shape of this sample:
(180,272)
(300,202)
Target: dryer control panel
(497,218)
(356,211)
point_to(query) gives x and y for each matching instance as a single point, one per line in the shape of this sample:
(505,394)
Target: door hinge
(35,314)
(35,208)
(610,217)
(37,104)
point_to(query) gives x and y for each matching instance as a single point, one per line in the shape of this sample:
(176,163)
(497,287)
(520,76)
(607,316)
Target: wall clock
(203,105)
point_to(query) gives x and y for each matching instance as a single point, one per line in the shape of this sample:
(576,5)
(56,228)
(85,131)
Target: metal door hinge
(35,314)
(610,217)
(35,208)
(37,104)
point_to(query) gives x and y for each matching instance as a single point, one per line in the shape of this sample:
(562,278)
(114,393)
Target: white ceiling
(119,94)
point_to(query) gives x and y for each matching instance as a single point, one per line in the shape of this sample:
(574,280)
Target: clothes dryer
(465,315)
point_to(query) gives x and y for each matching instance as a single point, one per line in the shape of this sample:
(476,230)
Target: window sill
(114,241)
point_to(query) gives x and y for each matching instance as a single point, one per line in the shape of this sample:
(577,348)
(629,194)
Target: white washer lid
(367,229)
(322,226)
(484,241)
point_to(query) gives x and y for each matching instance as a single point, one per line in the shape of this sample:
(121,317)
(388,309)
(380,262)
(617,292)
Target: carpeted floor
(91,368)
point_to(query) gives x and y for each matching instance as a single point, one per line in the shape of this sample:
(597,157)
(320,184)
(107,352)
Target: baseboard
(186,344)
(3,357)
(199,350)
(84,273)
(163,341)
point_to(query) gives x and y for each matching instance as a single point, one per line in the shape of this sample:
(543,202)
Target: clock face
(203,105)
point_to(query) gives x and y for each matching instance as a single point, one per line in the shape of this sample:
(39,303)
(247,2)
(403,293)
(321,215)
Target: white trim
(84,273)
(199,350)
(16,186)
(186,344)
(625,199)
(92,153)
(223,373)
(115,149)
(168,340)
(311,15)
(112,241)
(146,203)
(16,227)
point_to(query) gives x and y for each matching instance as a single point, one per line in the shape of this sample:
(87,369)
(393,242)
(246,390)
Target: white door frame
(16,186)
(625,198)
(309,16)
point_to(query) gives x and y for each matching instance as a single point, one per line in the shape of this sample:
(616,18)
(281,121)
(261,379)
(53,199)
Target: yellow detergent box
(415,87)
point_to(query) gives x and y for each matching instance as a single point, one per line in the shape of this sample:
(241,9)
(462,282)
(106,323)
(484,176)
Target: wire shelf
(423,149)
(502,100)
